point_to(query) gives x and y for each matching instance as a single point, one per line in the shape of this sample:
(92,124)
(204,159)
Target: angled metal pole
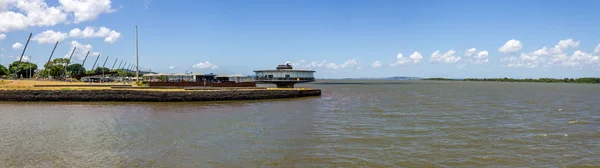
(23,53)
(47,71)
(103,65)
(83,64)
(95,62)
(137,63)
(113,67)
(119,67)
(69,61)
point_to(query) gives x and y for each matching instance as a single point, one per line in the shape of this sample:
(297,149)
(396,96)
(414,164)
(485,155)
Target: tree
(3,70)
(99,70)
(25,69)
(125,73)
(76,69)
(55,67)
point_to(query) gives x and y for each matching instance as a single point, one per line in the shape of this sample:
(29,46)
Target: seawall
(150,96)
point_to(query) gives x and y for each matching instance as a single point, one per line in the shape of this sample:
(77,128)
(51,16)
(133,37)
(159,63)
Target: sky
(338,39)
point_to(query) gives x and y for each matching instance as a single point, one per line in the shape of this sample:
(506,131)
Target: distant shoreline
(539,80)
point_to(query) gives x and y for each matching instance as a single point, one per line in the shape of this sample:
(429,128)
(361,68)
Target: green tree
(55,67)
(75,69)
(3,70)
(125,73)
(25,69)
(99,70)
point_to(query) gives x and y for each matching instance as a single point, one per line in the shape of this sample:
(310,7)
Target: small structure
(232,78)
(200,77)
(196,80)
(284,76)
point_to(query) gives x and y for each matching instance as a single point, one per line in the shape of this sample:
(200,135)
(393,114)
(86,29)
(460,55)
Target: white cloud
(86,10)
(205,65)
(474,57)
(49,37)
(447,57)
(21,14)
(376,64)
(110,36)
(81,51)
(2,36)
(511,46)
(25,59)
(578,59)
(568,43)
(470,52)
(347,64)
(525,60)
(552,56)
(597,49)
(324,64)
(541,52)
(17,46)
(400,60)
(415,58)
(171,67)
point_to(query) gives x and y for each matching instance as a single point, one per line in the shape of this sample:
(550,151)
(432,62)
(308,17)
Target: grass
(4,82)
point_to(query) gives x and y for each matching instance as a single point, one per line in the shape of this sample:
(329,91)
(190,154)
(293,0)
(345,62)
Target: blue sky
(336,38)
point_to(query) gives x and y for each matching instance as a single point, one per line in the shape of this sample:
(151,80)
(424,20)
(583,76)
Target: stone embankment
(150,96)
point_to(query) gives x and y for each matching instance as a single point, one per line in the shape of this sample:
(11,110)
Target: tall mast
(113,67)
(95,62)
(48,71)
(137,70)
(83,64)
(23,53)
(68,61)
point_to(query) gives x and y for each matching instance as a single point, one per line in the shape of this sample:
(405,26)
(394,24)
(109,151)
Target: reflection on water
(382,124)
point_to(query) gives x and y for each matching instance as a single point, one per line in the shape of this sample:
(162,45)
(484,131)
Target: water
(353,124)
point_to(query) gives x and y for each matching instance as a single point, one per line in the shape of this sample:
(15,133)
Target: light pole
(137,70)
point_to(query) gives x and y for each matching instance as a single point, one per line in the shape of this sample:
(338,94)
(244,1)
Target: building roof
(225,76)
(284,70)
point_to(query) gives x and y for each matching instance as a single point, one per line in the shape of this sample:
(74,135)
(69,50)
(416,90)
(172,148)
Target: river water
(353,124)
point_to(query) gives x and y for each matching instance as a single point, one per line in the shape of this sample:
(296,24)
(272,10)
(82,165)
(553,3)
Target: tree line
(541,80)
(54,69)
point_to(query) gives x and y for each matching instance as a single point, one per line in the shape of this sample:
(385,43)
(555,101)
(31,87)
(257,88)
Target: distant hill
(390,78)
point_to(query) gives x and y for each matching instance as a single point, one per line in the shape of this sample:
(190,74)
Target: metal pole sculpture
(23,53)
(83,64)
(103,67)
(95,62)
(68,61)
(113,67)
(47,71)
(137,70)
(119,67)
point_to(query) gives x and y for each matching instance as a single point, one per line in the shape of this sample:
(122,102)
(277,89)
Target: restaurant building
(284,76)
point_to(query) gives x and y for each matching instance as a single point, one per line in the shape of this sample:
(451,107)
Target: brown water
(353,124)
